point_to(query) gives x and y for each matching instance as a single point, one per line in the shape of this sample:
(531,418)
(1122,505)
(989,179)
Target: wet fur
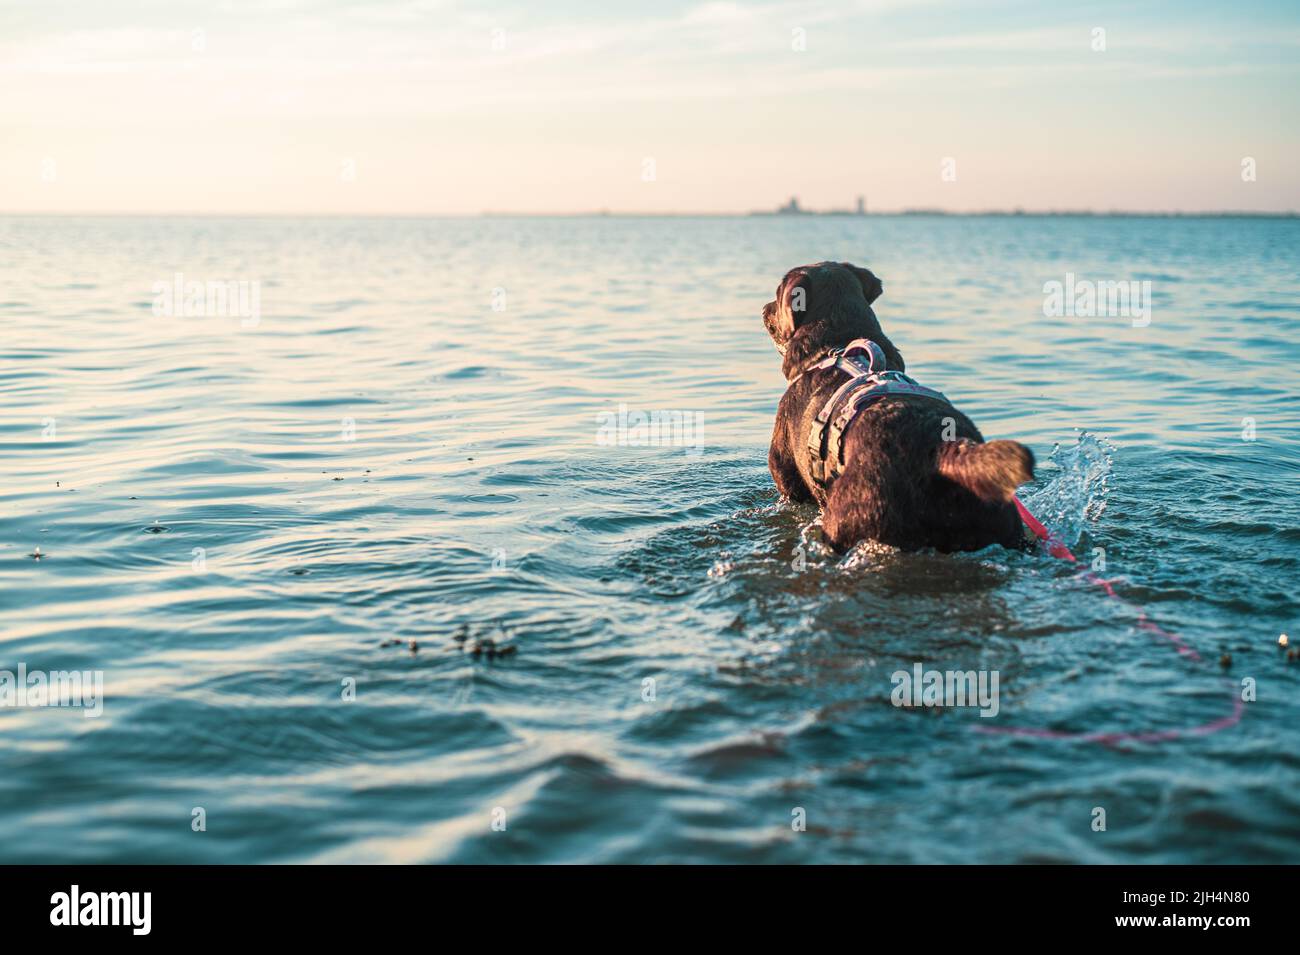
(902,483)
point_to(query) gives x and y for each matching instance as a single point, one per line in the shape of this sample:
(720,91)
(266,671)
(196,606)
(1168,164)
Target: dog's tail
(990,471)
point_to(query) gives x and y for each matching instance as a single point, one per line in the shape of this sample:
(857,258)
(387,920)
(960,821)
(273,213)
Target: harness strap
(817,434)
(868,381)
(849,360)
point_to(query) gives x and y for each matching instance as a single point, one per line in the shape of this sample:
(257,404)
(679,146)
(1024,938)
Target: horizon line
(634,214)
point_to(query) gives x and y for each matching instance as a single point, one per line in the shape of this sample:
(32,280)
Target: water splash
(867,555)
(1074,494)
(812,538)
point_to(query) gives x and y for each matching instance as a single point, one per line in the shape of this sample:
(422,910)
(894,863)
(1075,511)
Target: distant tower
(862,206)
(791,207)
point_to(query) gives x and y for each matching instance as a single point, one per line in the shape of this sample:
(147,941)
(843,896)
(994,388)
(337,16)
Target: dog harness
(869,380)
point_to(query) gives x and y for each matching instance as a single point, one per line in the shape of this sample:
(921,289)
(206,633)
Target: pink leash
(1056,547)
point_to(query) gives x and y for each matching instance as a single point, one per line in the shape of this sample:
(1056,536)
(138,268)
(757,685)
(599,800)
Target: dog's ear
(789,309)
(871,286)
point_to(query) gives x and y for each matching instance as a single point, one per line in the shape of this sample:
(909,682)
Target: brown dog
(907,469)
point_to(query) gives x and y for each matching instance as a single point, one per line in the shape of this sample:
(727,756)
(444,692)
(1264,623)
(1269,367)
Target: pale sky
(416,107)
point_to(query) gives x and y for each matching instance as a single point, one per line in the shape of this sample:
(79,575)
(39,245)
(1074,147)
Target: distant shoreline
(602,214)
(899,213)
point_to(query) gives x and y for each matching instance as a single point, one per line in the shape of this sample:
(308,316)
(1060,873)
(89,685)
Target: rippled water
(237,518)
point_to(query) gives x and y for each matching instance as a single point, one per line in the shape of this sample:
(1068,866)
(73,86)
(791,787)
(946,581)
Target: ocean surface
(383,569)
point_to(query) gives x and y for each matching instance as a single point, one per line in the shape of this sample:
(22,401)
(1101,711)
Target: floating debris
(1225,661)
(299,571)
(483,648)
(487,647)
(1282,641)
(37,555)
(156,528)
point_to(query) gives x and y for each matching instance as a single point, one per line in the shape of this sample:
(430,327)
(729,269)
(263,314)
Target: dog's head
(822,307)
